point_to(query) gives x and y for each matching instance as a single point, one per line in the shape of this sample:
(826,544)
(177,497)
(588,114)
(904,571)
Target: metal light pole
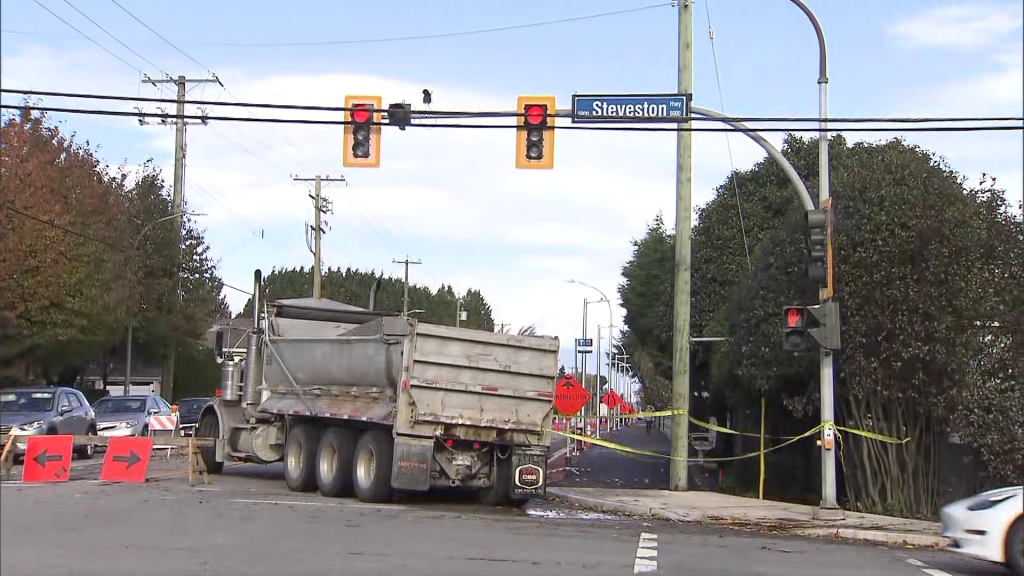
(611,322)
(131,317)
(829,508)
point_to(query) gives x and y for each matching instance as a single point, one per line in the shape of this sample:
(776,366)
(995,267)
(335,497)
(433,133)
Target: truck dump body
(462,377)
(423,378)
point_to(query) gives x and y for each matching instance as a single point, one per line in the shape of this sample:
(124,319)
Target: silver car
(128,415)
(45,410)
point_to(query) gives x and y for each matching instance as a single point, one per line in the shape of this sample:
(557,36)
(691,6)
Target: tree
(924,270)
(352,286)
(83,250)
(59,240)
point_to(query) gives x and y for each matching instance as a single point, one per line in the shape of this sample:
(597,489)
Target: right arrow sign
(127,459)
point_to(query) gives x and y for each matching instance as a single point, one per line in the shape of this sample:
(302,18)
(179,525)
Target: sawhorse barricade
(196,463)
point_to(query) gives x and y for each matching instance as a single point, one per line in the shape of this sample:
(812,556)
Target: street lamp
(611,322)
(131,317)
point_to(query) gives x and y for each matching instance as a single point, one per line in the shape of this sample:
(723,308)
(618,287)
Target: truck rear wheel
(209,427)
(371,472)
(300,458)
(500,492)
(334,462)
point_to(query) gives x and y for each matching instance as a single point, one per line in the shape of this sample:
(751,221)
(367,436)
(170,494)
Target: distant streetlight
(131,318)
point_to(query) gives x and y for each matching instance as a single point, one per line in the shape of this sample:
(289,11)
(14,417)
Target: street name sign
(635,108)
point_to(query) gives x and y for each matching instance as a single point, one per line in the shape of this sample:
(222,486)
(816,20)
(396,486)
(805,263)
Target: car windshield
(118,405)
(26,401)
(191,405)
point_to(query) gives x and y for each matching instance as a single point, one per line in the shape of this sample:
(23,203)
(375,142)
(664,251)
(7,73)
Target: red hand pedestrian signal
(793,317)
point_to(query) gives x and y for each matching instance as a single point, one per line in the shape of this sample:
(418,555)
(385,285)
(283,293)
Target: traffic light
(535,136)
(400,115)
(817,246)
(362,132)
(807,326)
(794,336)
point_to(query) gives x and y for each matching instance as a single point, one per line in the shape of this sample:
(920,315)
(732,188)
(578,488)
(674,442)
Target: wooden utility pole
(167,386)
(317,229)
(405,294)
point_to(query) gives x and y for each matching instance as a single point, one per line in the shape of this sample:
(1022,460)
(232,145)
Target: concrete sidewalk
(724,509)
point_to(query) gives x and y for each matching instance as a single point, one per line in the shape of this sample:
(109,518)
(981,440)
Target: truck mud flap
(411,466)
(529,473)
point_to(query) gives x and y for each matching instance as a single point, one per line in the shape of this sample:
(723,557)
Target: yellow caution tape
(623,449)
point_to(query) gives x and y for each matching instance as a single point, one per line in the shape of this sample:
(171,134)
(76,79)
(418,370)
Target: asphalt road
(247,522)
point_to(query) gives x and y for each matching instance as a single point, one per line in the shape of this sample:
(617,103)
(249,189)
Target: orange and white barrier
(159,423)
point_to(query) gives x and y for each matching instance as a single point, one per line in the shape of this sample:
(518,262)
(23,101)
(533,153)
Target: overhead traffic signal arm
(535,136)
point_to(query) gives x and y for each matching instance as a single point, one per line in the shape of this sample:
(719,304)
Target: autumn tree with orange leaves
(75,264)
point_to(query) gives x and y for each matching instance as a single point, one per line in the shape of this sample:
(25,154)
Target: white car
(989,526)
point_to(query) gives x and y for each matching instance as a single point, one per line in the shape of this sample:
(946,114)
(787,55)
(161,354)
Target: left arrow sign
(47,459)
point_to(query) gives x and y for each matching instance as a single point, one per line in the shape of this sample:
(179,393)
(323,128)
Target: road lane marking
(646,554)
(924,568)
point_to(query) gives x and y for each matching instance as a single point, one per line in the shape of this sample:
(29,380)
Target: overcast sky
(453,198)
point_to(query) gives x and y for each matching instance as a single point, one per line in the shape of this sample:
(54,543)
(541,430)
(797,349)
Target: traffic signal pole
(678,469)
(829,508)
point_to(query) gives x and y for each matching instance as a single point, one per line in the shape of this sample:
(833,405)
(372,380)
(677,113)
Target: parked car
(128,415)
(45,410)
(989,526)
(188,414)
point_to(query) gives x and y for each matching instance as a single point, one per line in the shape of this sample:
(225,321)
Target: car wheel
(89,450)
(1015,547)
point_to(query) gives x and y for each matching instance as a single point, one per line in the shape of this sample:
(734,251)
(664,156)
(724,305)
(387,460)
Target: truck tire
(334,459)
(300,458)
(209,427)
(371,470)
(500,492)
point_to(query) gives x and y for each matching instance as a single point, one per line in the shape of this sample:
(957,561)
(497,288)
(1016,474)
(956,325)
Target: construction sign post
(127,459)
(48,459)
(570,396)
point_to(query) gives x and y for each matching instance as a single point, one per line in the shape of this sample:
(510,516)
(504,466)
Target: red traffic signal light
(535,138)
(362,137)
(536,115)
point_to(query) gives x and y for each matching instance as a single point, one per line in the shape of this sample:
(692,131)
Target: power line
(59,227)
(116,39)
(169,43)
(87,37)
(451,114)
(728,142)
(585,128)
(436,36)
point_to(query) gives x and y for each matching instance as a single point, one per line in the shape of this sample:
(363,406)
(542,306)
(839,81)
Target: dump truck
(365,402)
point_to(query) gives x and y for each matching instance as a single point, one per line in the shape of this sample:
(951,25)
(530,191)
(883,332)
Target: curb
(873,536)
(878,537)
